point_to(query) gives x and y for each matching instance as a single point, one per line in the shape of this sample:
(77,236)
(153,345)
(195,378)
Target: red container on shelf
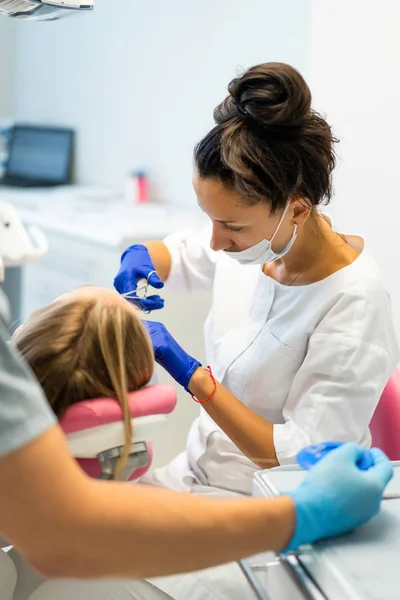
(142,183)
(137,191)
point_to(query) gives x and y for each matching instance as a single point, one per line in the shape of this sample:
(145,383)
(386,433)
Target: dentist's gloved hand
(336,496)
(170,355)
(136,264)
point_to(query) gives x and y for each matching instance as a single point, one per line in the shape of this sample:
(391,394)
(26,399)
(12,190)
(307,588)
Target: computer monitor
(39,156)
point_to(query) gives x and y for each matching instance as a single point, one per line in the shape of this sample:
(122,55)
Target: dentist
(299,340)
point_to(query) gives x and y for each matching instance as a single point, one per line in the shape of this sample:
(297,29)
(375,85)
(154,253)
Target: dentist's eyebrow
(220,220)
(228,222)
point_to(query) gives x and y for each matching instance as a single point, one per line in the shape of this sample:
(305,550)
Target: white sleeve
(192,260)
(337,389)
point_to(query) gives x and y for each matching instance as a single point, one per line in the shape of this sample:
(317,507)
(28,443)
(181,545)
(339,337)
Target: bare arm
(68,525)
(252,434)
(160,257)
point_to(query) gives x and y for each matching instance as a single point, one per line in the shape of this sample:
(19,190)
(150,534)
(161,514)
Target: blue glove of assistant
(170,355)
(337,496)
(136,264)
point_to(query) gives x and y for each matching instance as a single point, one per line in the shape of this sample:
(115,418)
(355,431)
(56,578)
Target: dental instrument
(140,293)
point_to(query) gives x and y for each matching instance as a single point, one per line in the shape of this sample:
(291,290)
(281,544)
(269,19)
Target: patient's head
(89,343)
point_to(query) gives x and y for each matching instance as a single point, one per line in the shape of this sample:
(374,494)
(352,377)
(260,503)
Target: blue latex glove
(170,355)
(337,496)
(136,264)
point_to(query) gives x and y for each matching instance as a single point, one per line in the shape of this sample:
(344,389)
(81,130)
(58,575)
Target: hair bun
(273,94)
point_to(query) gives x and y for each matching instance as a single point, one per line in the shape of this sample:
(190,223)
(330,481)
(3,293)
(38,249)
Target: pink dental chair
(385,424)
(95,436)
(95,431)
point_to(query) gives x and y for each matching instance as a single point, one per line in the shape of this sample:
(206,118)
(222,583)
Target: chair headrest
(153,400)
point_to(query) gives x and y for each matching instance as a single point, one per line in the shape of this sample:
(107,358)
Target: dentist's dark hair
(268,144)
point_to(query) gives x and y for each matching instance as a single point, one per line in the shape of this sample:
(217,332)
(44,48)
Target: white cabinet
(70,263)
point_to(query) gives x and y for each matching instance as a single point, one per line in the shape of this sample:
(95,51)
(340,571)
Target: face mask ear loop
(281,221)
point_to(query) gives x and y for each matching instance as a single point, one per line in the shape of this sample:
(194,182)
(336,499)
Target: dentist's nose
(219,238)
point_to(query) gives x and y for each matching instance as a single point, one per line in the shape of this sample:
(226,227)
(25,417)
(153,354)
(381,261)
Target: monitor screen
(40,154)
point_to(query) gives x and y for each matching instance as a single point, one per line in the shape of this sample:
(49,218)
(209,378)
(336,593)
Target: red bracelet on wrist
(208,369)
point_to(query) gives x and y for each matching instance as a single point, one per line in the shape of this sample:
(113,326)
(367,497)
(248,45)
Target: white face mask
(262,253)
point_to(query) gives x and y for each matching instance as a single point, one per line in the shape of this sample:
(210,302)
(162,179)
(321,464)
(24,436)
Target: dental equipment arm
(18,244)
(44,10)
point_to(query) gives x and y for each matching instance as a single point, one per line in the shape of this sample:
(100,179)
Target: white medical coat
(312,359)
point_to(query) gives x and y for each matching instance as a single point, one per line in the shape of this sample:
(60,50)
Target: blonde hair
(86,349)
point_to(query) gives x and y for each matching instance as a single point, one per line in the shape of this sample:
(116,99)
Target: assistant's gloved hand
(336,496)
(170,355)
(136,264)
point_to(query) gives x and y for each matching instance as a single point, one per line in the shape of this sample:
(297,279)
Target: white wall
(354,73)
(7,66)
(139,79)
